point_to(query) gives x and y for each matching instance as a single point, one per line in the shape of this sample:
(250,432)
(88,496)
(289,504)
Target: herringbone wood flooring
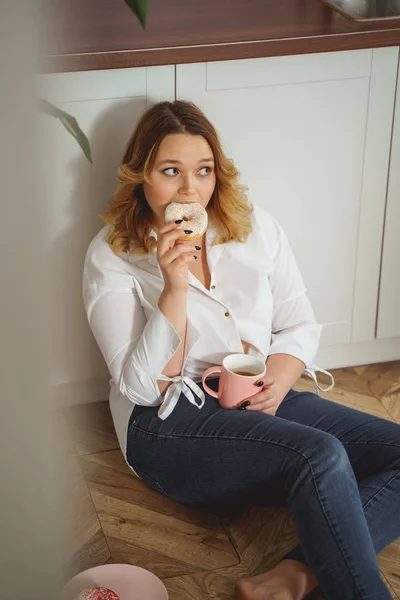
(115,517)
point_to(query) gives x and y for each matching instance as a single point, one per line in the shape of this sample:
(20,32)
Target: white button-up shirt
(257,294)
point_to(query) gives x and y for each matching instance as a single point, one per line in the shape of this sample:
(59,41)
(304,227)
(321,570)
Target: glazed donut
(194,218)
(97,593)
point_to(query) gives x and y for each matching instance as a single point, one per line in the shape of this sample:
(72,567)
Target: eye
(208,170)
(168,171)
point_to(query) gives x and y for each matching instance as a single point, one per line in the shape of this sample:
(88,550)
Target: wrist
(171,292)
(285,369)
(172,303)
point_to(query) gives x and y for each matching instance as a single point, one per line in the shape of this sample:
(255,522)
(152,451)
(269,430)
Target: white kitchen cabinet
(107,105)
(311,137)
(388,324)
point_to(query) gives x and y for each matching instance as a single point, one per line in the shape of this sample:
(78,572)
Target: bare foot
(246,589)
(289,580)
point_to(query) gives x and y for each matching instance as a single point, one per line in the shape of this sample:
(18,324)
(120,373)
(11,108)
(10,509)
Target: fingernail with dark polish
(198,247)
(188,231)
(195,257)
(241,408)
(179,221)
(259,383)
(245,403)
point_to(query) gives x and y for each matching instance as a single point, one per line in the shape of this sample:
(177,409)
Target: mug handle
(205,375)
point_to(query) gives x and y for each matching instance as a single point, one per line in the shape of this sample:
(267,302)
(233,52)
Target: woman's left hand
(266,401)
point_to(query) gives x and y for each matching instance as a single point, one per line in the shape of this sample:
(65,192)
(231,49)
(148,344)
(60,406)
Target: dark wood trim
(193,54)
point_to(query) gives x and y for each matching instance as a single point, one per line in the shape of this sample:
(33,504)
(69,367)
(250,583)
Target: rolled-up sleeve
(294,327)
(136,350)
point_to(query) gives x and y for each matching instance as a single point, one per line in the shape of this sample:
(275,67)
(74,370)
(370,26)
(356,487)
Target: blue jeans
(336,469)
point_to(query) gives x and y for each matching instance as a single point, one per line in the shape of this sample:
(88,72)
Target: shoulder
(260,248)
(102,265)
(266,229)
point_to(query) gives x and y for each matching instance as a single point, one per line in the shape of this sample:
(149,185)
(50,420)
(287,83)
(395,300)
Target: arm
(174,257)
(294,331)
(173,307)
(136,351)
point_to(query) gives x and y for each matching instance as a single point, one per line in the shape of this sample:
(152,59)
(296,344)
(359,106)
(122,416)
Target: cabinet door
(388,325)
(107,105)
(311,135)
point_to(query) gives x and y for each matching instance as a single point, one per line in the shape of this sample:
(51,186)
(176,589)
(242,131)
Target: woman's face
(184,171)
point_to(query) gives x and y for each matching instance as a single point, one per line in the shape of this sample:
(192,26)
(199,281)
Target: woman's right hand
(174,257)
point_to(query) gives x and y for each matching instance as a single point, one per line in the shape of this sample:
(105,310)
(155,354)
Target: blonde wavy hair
(129,215)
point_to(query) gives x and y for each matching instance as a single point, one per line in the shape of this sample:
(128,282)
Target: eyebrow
(178,162)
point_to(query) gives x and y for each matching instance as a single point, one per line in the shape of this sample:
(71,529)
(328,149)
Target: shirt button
(213,287)
(227,314)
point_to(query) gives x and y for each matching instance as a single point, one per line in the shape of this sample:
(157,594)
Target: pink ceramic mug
(239,375)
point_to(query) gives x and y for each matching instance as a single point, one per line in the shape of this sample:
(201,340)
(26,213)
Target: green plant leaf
(70,124)
(139,7)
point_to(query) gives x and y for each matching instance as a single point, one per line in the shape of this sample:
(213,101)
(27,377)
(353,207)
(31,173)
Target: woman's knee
(321,456)
(326,452)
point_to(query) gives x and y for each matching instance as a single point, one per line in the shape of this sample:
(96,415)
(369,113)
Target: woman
(163,310)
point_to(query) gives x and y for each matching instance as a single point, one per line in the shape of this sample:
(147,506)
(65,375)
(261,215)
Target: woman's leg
(218,457)
(373,448)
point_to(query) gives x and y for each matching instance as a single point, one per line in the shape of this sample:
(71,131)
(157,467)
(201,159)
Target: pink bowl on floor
(127,581)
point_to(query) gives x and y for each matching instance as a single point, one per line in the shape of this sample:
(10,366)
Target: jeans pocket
(142,417)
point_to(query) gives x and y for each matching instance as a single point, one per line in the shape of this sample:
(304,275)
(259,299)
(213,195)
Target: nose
(187,187)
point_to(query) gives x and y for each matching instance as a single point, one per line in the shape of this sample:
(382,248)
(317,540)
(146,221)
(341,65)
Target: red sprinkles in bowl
(97,593)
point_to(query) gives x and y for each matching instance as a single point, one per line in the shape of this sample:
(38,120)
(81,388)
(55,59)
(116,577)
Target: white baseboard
(361,353)
(328,357)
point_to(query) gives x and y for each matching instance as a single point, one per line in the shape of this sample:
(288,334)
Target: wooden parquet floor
(115,517)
